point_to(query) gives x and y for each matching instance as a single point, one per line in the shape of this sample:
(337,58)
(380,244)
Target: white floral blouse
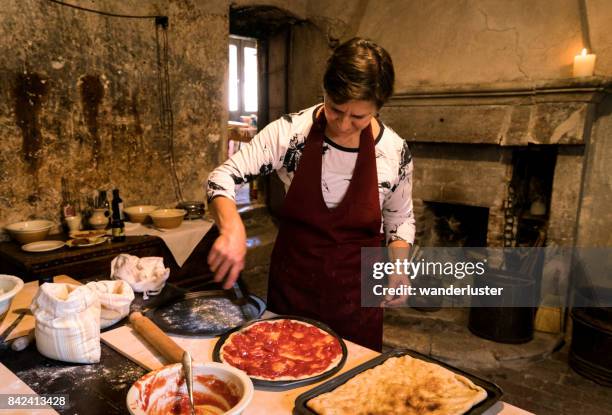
(279,145)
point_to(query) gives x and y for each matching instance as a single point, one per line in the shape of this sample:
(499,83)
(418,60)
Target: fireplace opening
(452,225)
(532,182)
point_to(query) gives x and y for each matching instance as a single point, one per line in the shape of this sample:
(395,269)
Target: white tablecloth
(180,241)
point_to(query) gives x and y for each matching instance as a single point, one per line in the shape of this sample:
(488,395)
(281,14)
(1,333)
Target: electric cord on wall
(166,115)
(103,13)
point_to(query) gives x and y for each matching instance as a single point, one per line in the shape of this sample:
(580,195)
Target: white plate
(42,246)
(92,241)
(88,234)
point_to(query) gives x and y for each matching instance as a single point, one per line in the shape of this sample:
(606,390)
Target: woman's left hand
(398,250)
(396,281)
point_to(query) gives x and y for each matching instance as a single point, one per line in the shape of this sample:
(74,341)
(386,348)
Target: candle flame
(584,52)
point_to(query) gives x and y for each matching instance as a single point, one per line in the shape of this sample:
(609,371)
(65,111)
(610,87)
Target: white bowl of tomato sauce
(217,389)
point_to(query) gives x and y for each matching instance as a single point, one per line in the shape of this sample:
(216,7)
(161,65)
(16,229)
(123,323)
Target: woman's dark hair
(359,69)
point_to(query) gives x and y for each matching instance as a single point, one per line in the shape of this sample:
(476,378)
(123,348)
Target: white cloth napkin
(145,275)
(180,241)
(115,300)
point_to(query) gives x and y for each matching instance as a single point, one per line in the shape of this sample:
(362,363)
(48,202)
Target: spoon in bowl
(188,378)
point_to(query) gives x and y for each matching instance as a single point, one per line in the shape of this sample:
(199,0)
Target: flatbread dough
(401,385)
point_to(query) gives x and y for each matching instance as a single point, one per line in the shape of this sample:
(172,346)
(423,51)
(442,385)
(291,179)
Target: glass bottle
(119,202)
(117,225)
(103,204)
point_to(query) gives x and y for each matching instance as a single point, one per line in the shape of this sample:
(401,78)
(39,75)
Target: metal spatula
(242,301)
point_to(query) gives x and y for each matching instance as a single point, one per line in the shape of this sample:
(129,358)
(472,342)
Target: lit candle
(584,64)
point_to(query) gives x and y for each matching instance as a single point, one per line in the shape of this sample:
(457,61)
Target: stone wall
(81,101)
(595,220)
(565,196)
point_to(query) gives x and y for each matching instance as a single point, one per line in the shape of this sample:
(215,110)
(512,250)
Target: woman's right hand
(226,257)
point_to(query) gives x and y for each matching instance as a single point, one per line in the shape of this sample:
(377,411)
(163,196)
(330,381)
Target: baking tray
(181,316)
(494,392)
(282,385)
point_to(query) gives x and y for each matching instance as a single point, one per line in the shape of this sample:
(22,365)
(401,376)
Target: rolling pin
(171,351)
(22,342)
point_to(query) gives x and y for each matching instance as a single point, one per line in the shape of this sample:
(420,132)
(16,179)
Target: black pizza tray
(282,385)
(494,392)
(185,325)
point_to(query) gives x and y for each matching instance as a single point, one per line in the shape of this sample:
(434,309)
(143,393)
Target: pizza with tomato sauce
(282,350)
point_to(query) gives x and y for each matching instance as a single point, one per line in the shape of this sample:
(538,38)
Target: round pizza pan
(280,385)
(205,313)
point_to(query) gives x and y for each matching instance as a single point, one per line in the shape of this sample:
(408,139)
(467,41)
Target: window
(242,77)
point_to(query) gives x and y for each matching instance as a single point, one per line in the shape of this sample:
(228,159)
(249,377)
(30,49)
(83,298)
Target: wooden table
(79,263)
(94,261)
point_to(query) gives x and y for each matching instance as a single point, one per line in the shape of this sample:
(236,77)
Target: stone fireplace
(500,165)
(517,151)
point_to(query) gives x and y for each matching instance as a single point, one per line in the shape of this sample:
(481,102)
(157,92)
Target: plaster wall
(309,52)
(448,42)
(81,101)
(297,8)
(328,22)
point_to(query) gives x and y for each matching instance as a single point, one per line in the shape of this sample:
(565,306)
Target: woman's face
(345,120)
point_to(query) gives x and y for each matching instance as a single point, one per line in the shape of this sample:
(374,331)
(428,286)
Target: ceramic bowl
(30,230)
(168,218)
(139,213)
(9,287)
(164,389)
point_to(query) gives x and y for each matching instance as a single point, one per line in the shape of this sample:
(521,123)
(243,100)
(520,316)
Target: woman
(348,178)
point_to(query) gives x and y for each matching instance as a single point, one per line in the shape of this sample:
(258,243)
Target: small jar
(194,209)
(73,222)
(98,219)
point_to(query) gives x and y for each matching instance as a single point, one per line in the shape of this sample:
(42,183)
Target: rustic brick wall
(472,175)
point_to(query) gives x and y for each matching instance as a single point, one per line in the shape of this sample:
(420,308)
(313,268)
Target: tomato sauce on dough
(284,349)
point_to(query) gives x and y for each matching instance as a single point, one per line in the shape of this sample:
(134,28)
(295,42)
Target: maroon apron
(316,261)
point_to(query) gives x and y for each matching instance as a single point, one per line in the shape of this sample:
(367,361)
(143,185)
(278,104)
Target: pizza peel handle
(171,351)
